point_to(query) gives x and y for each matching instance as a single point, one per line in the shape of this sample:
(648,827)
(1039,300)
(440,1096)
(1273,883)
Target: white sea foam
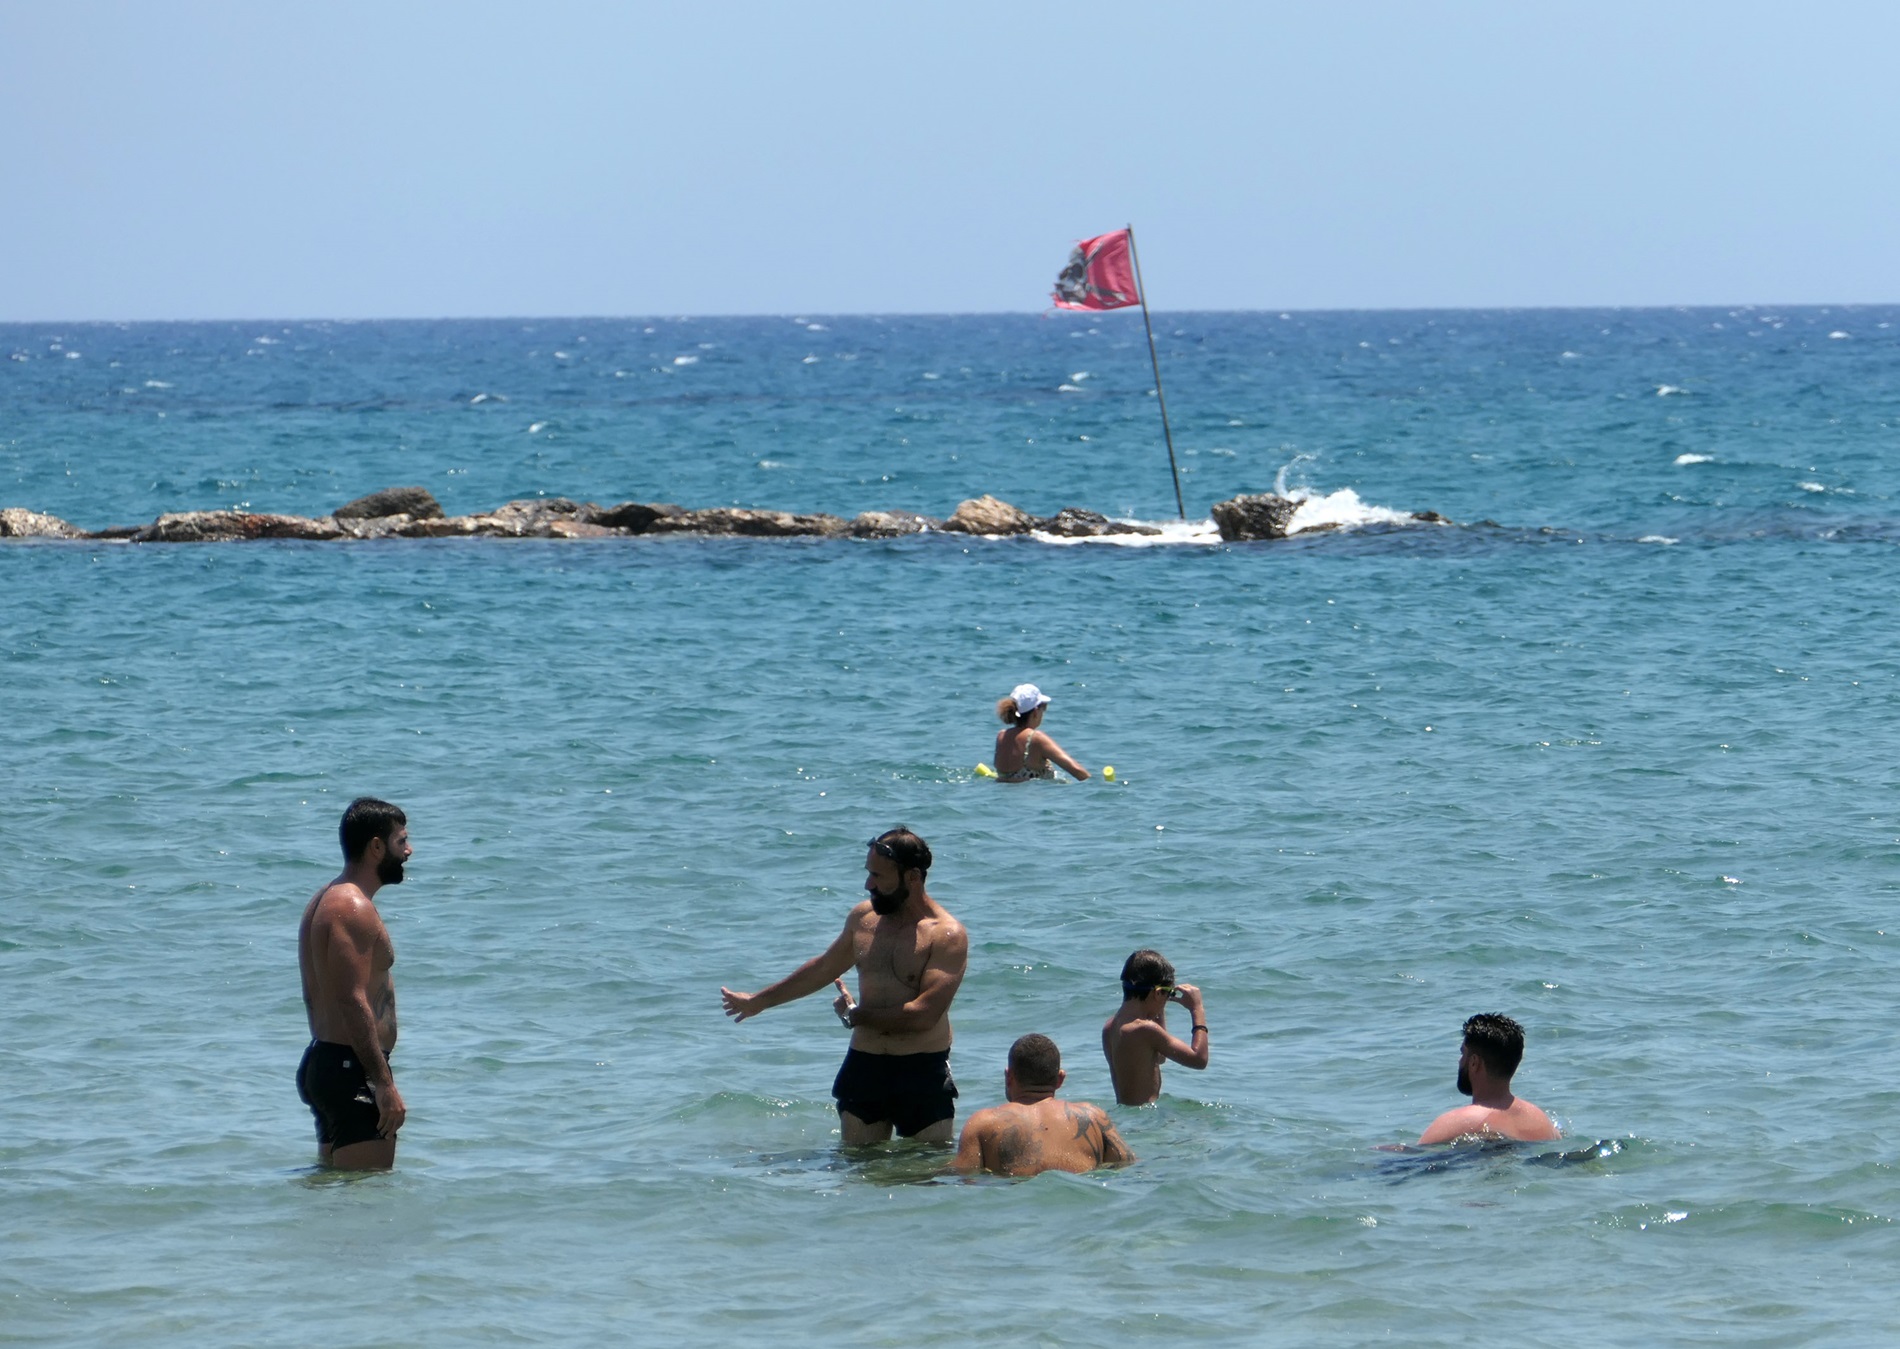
(1811,487)
(1837,335)
(1663,539)
(1069,388)
(686,360)
(537,427)
(1078,376)
(1664,390)
(488,398)
(771,463)
(156,384)
(1342,509)
(1695,459)
(816,328)
(811,360)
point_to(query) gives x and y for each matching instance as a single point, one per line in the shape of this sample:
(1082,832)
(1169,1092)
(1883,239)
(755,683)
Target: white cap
(1028,698)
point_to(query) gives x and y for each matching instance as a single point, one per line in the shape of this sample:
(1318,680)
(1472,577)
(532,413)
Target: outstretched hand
(739,1006)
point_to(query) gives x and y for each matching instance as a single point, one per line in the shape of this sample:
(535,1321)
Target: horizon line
(1051,312)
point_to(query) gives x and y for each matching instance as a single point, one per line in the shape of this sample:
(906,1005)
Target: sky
(176,160)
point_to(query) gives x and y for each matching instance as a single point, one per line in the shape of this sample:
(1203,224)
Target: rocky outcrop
(1261,516)
(754,523)
(890,524)
(1072,522)
(416,502)
(987,515)
(413,513)
(232,527)
(19,523)
(631,517)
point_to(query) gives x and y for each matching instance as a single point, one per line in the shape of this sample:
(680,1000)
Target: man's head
(1496,1042)
(1035,1068)
(1146,972)
(895,868)
(372,826)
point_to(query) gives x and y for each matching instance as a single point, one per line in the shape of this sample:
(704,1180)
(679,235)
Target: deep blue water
(1613,753)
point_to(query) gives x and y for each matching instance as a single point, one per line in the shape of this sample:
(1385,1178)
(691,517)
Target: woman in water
(1023,751)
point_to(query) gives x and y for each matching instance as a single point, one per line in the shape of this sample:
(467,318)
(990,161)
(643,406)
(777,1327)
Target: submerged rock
(1260,516)
(416,502)
(1072,522)
(233,526)
(987,515)
(16,522)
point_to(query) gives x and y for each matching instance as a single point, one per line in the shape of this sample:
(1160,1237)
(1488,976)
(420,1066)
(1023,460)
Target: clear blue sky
(197,160)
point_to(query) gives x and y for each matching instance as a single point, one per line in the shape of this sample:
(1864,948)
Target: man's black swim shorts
(909,1091)
(332,1083)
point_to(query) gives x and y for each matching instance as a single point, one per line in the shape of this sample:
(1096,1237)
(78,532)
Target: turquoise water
(1618,763)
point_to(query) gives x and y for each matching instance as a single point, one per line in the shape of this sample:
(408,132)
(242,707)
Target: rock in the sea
(233,526)
(532,518)
(417,502)
(890,524)
(16,522)
(1260,516)
(987,515)
(747,521)
(631,517)
(1072,522)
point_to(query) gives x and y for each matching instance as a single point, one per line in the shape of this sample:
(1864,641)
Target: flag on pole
(1100,275)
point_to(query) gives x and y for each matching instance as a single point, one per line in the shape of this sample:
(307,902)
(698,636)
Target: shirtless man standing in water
(910,956)
(344,951)
(1035,1132)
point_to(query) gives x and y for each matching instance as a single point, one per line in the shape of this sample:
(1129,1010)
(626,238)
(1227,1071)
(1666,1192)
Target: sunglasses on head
(884,848)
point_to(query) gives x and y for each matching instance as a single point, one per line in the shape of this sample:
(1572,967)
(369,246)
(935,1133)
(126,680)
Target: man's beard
(1464,1080)
(389,870)
(885,905)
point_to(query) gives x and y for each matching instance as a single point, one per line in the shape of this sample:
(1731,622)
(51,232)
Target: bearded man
(910,956)
(345,955)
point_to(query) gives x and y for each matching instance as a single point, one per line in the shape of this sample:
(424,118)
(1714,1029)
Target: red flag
(1100,275)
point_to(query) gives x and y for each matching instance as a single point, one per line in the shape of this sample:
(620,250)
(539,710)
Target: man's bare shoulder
(941,924)
(342,905)
(1523,1122)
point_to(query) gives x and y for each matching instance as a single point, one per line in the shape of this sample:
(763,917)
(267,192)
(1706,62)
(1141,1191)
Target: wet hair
(1496,1039)
(1006,711)
(366,819)
(906,849)
(1035,1061)
(1143,972)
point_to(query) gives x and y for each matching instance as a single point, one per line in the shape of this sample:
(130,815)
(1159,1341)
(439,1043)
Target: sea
(1611,750)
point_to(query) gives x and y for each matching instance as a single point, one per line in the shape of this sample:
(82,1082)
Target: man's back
(1049,1135)
(1520,1120)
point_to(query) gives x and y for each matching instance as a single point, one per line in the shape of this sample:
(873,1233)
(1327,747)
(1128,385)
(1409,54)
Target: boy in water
(1136,1038)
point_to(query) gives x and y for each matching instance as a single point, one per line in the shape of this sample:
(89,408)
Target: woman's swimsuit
(1026,773)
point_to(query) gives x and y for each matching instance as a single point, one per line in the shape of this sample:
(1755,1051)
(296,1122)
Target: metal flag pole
(1142,288)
